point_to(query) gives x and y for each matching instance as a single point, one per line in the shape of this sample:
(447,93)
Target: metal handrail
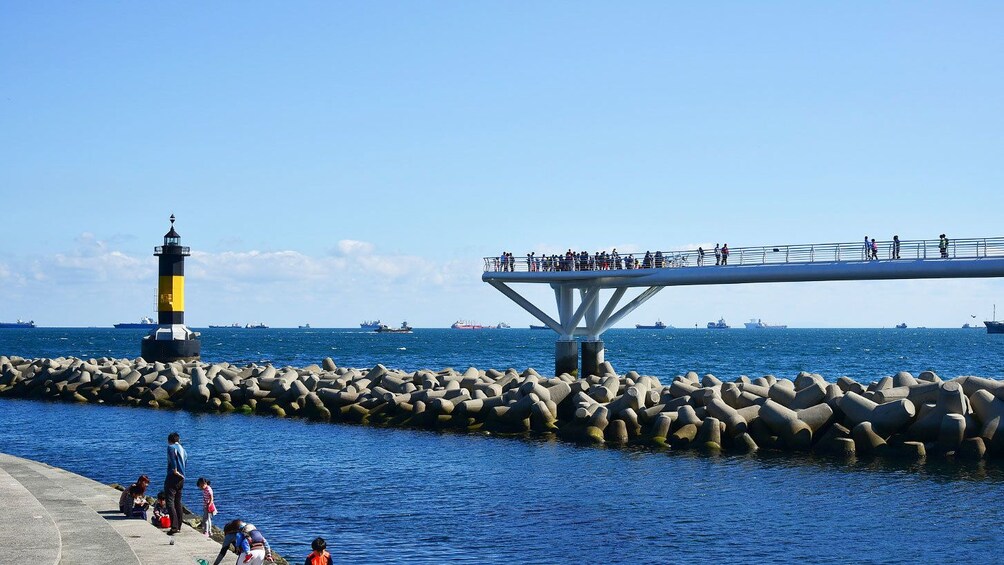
(761,255)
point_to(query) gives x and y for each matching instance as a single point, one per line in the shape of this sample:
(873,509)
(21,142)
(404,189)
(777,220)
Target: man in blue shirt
(175,481)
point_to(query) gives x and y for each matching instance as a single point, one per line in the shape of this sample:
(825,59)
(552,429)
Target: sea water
(409,496)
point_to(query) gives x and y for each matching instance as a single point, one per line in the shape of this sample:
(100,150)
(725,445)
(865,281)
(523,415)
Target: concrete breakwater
(894,415)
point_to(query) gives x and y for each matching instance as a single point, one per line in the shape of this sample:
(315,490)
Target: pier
(580,280)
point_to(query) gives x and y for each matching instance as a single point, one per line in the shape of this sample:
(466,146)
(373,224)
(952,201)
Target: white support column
(565,297)
(604,316)
(591,303)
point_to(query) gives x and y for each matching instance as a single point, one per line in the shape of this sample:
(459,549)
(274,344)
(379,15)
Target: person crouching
(252,544)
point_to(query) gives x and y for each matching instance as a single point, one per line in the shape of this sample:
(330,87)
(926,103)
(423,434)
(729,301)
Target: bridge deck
(983,257)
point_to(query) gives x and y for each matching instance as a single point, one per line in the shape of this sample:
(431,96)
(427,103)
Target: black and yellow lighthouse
(171,341)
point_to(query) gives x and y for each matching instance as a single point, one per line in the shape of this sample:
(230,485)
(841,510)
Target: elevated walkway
(51,516)
(578,279)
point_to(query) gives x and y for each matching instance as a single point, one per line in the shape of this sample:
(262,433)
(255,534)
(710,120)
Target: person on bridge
(874,250)
(895,247)
(868,248)
(725,254)
(718,255)
(700,256)
(943,246)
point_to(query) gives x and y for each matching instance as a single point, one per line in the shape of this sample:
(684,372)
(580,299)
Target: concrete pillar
(566,358)
(592,357)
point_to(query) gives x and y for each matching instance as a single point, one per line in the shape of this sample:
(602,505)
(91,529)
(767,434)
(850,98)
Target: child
(160,515)
(319,556)
(208,506)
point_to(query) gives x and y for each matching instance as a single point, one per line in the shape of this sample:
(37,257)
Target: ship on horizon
(758,324)
(370,324)
(234,326)
(19,324)
(658,325)
(385,329)
(145,323)
(719,325)
(466,325)
(994,326)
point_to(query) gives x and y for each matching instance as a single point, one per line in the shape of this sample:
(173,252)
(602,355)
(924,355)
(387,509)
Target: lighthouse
(171,341)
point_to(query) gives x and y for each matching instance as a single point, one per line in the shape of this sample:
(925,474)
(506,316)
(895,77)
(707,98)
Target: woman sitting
(133,502)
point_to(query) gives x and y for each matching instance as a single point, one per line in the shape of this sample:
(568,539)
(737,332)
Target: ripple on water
(396,496)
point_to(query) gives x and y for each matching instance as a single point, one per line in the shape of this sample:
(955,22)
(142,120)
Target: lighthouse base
(167,350)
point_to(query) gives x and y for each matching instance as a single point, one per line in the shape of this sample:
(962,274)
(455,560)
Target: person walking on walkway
(874,250)
(718,255)
(175,481)
(700,256)
(868,249)
(943,246)
(725,254)
(895,247)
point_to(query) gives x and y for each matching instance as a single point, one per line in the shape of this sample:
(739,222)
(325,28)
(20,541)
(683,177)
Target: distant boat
(719,325)
(144,323)
(759,325)
(901,326)
(370,324)
(231,326)
(385,329)
(501,326)
(19,324)
(255,326)
(994,326)
(466,325)
(658,325)
(536,327)
(304,327)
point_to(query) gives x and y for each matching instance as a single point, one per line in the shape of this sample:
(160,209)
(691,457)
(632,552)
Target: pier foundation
(592,357)
(566,357)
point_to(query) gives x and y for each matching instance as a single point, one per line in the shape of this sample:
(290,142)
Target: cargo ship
(385,329)
(536,327)
(145,323)
(370,324)
(465,325)
(19,324)
(759,325)
(658,325)
(234,326)
(994,326)
(719,325)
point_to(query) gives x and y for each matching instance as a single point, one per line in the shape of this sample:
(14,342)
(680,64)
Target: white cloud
(354,247)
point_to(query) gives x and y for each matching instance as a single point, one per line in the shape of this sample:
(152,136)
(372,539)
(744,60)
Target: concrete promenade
(50,515)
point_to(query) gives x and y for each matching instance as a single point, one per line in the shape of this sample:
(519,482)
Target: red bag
(165,521)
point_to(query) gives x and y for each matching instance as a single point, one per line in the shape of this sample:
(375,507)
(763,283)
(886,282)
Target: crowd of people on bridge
(603,261)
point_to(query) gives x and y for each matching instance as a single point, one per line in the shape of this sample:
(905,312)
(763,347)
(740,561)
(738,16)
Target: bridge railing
(763,255)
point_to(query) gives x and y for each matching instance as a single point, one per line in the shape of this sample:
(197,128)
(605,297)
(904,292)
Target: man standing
(175,481)
(895,247)
(943,246)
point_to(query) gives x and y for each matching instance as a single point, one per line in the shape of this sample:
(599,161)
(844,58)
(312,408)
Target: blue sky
(333,162)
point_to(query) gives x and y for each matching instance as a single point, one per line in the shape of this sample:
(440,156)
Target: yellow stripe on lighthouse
(171,294)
